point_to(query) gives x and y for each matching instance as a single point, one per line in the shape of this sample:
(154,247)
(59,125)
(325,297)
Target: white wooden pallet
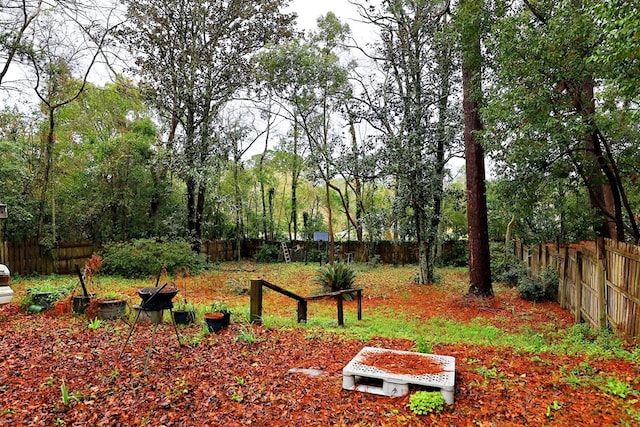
(356,375)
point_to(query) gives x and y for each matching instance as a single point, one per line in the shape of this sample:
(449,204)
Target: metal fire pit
(157,298)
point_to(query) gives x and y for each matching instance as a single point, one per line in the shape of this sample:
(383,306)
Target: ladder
(285,252)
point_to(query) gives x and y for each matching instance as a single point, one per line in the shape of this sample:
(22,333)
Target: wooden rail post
(255,309)
(302,311)
(339,301)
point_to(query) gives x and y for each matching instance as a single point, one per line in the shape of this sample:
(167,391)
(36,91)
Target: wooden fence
(29,257)
(599,281)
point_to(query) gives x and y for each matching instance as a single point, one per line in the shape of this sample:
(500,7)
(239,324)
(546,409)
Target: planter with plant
(43,296)
(184,313)
(112,306)
(217,317)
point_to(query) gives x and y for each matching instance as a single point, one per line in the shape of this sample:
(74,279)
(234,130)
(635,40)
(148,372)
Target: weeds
(65,395)
(94,324)
(425,402)
(553,407)
(617,388)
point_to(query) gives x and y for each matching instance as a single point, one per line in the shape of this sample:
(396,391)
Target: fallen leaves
(220,380)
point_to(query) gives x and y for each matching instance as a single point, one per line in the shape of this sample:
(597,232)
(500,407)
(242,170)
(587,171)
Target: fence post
(578,308)
(255,308)
(563,278)
(601,279)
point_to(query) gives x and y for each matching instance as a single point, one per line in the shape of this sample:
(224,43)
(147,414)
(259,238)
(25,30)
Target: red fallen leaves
(401,364)
(221,380)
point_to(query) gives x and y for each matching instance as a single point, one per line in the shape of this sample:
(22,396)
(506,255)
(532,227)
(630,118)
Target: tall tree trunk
(47,162)
(293,229)
(479,259)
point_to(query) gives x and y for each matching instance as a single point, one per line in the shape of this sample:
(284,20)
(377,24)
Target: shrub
(267,253)
(335,277)
(455,253)
(315,255)
(424,402)
(513,275)
(505,267)
(531,289)
(550,280)
(144,258)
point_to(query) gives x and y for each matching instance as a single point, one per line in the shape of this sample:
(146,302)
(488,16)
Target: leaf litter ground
(288,375)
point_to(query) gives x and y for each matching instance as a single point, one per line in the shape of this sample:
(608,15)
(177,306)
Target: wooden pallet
(369,379)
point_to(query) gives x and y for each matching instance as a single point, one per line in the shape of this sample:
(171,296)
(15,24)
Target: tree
(194,56)
(54,54)
(410,108)
(16,19)
(469,20)
(557,118)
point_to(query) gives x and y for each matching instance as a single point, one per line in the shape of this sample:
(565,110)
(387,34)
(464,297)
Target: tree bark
(479,259)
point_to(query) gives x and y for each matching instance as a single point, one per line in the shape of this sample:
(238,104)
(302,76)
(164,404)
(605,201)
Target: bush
(335,277)
(531,289)
(513,275)
(505,265)
(144,257)
(550,280)
(424,402)
(455,253)
(267,253)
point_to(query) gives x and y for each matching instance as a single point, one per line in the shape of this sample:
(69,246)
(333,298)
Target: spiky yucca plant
(335,277)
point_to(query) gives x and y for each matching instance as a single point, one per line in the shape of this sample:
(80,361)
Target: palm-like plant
(335,277)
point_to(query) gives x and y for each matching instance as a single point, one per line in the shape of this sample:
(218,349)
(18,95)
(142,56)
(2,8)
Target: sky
(309,10)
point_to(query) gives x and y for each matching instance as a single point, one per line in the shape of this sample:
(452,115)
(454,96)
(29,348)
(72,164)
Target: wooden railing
(256,293)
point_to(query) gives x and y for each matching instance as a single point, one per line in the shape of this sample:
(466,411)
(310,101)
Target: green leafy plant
(50,291)
(184,305)
(531,289)
(267,253)
(246,334)
(425,402)
(553,407)
(551,282)
(144,257)
(335,277)
(94,324)
(617,388)
(65,395)
(219,307)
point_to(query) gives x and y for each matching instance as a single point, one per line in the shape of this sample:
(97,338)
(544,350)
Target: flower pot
(81,302)
(217,321)
(184,317)
(112,309)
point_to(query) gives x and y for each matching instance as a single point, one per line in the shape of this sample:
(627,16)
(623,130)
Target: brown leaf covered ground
(230,380)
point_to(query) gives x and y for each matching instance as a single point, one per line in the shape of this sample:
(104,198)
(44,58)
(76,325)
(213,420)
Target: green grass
(383,321)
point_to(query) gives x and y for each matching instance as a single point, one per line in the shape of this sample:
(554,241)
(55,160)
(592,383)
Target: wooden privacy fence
(27,257)
(599,281)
